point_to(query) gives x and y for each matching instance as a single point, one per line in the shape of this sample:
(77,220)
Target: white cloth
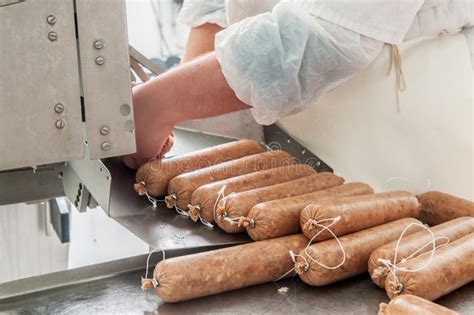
(198,12)
(280,62)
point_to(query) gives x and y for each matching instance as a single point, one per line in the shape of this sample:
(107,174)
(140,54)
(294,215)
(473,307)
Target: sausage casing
(153,177)
(451,268)
(357,246)
(417,243)
(236,205)
(282,217)
(182,186)
(413,305)
(357,213)
(438,207)
(203,199)
(188,277)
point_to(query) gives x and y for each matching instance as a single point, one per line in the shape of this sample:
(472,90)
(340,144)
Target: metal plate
(277,139)
(105,70)
(26,186)
(162,227)
(122,295)
(39,70)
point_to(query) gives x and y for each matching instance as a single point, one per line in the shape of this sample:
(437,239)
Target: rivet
(99,61)
(104,130)
(53,36)
(106,146)
(51,19)
(60,124)
(98,44)
(59,108)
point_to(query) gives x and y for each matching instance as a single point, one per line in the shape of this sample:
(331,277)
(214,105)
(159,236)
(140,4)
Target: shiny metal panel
(40,112)
(122,294)
(105,71)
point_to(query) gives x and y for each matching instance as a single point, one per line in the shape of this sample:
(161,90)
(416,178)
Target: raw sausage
(413,305)
(231,208)
(282,217)
(182,186)
(204,199)
(188,277)
(417,244)
(153,177)
(451,268)
(438,207)
(357,213)
(357,247)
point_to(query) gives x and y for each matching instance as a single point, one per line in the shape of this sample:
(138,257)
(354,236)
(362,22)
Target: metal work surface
(163,228)
(122,294)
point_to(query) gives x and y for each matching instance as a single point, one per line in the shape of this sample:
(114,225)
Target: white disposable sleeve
(281,62)
(198,12)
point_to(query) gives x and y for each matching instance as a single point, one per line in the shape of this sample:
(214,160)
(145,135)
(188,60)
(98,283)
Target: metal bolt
(98,44)
(59,108)
(104,130)
(106,146)
(53,36)
(51,19)
(99,61)
(60,124)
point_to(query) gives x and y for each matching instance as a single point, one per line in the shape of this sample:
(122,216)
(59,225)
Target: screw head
(99,61)
(52,36)
(98,44)
(104,130)
(106,146)
(59,108)
(60,124)
(51,19)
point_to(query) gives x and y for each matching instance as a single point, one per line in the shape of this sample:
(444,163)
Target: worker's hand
(152,132)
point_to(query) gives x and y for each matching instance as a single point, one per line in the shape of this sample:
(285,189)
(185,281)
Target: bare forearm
(195,90)
(200,41)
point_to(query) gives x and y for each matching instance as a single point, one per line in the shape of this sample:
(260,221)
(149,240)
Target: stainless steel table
(122,294)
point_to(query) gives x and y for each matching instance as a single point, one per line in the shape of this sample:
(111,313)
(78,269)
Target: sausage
(413,305)
(357,247)
(416,244)
(451,268)
(188,277)
(152,178)
(235,205)
(203,199)
(182,186)
(357,213)
(438,207)
(282,217)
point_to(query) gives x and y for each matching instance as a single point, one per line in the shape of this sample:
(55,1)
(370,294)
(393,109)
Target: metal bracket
(138,61)
(277,139)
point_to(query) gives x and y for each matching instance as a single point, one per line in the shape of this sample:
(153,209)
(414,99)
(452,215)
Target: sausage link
(357,213)
(236,205)
(182,186)
(153,177)
(203,199)
(282,217)
(188,277)
(357,247)
(416,244)
(413,305)
(438,207)
(451,268)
